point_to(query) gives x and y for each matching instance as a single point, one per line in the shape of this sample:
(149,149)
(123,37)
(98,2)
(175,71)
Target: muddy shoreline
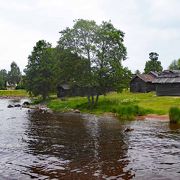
(112,115)
(153,117)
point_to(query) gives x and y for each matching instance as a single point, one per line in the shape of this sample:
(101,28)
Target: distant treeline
(12,78)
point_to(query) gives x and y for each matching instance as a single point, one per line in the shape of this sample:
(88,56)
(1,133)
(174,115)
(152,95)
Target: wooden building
(168,83)
(65,90)
(143,83)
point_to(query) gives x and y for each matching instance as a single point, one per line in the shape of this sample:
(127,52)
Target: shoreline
(164,117)
(154,117)
(150,117)
(13,97)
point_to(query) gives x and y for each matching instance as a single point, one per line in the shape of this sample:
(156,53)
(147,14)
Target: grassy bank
(174,115)
(125,105)
(13,93)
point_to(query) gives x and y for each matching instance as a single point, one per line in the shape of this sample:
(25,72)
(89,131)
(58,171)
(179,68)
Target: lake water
(74,146)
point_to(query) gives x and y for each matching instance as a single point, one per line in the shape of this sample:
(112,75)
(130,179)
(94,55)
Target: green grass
(13,93)
(126,105)
(174,115)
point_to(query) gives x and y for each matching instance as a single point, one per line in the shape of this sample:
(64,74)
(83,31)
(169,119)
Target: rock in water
(17,105)
(26,103)
(76,111)
(128,130)
(10,106)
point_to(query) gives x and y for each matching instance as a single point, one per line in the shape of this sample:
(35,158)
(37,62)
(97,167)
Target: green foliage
(126,105)
(153,56)
(124,110)
(174,115)
(70,68)
(3,79)
(129,111)
(153,64)
(14,75)
(40,77)
(137,72)
(102,46)
(21,84)
(175,65)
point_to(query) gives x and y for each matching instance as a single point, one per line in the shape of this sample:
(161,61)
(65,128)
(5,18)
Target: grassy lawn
(13,93)
(126,104)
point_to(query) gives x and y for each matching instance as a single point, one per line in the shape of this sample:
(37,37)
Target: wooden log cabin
(168,83)
(142,83)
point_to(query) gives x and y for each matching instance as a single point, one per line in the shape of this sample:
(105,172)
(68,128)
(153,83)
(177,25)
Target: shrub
(174,115)
(128,111)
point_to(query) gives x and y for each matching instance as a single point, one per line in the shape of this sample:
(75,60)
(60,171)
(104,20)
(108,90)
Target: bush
(128,111)
(19,87)
(174,115)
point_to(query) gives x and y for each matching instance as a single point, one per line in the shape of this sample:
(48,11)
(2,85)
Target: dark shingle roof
(155,74)
(168,76)
(161,80)
(65,86)
(145,77)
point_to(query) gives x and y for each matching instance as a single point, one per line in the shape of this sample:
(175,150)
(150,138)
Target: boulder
(128,130)
(76,111)
(10,106)
(17,105)
(26,103)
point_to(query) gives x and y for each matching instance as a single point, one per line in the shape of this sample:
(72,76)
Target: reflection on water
(71,146)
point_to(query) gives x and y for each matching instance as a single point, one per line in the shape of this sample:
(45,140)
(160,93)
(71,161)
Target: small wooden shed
(168,83)
(142,83)
(63,90)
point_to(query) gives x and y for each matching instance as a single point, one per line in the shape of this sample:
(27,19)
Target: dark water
(46,146)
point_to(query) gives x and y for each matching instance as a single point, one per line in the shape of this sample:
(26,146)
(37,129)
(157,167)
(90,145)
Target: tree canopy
(88,56)
(137,72)
(14,75)
(3,79)
(102,46)
(175,65)
(153,64)
(70,68)
(39,71)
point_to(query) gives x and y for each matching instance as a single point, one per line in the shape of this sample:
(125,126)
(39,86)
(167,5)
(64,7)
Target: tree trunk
(97,98)
(44,96)
(89,101)
(92,97)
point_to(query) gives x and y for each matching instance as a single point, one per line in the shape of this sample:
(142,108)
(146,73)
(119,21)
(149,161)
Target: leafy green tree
(3,79)
(175,65)
(69,68)
(102,46)
(14,75)
(21,84)
(153,64)
(110,52)
(39,72)
(137,72)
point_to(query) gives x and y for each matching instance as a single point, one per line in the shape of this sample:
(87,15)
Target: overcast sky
(149,25)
